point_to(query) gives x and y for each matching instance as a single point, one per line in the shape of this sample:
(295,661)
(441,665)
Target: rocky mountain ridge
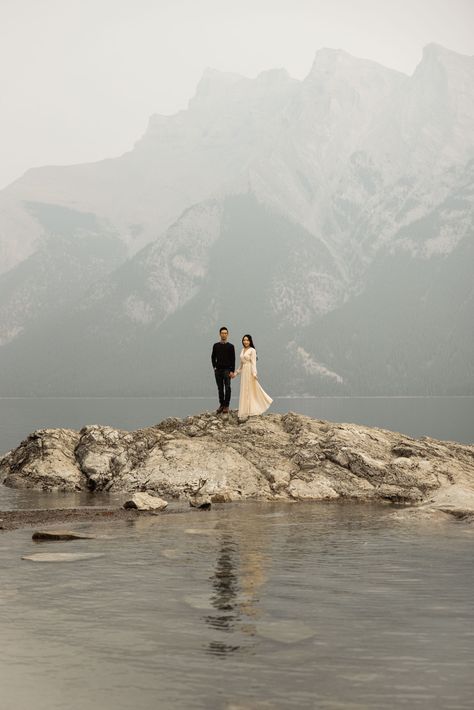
(272,204)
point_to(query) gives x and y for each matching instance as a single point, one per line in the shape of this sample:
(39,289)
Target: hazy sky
(80,78)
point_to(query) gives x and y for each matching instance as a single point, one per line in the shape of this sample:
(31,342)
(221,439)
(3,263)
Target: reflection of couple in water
(253,399)
(239,575)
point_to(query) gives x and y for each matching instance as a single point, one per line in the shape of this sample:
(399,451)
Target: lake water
(252,606)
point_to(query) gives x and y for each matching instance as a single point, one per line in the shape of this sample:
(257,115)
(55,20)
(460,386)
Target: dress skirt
(253,399)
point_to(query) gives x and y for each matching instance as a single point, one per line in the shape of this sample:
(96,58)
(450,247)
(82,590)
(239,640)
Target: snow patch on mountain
(310,365)
(9,334)
(310,294)
(138,310)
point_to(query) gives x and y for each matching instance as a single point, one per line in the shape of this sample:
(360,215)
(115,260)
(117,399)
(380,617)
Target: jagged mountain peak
(439,63)
(436,52)
(217,89)
(275,76)
(215,85)
(337,63)
(439,108)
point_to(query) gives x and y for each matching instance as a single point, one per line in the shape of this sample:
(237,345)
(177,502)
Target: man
(223,362)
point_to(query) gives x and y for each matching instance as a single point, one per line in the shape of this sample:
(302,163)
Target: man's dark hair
(223,328)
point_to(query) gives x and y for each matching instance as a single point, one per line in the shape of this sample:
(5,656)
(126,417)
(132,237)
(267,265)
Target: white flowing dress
(253,399)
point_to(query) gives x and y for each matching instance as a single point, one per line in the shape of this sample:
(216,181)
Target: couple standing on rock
(253,400)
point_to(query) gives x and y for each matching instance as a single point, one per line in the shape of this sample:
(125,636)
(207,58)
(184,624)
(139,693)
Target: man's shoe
(220,410)
(225,410)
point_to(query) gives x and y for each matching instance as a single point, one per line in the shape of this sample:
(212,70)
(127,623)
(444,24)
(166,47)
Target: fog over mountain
(332,218)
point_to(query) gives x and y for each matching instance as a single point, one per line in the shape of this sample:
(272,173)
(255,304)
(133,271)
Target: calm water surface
(255,606)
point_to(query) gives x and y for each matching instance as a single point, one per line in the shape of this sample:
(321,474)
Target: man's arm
(213,356)
(233,358)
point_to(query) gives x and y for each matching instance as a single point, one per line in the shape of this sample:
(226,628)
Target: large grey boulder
(45,461)
(455,499)
(273,457)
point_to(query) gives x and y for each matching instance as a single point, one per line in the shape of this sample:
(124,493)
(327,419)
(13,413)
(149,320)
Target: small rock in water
(60,535)
(284,631)
(199,601)
(171,554)
(200,531)
(201,502)
(145,501)
(62,556)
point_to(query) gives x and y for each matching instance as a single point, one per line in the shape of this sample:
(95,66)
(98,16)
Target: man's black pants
(223,386)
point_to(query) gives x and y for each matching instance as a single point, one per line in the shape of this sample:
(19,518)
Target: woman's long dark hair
(247,335)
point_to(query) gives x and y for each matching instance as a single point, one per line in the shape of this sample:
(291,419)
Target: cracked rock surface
(274,457)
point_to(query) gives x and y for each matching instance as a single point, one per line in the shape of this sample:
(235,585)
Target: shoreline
(14,519)
(28,518)
(17,518)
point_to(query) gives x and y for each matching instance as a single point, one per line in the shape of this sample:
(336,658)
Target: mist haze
(326,209)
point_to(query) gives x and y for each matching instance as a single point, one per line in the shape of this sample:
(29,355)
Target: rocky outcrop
(45,461)
(273,457)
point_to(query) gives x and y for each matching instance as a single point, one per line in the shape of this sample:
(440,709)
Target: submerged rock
(201,502)
(455,499)
(285,630)
(62,556)
(60,535)
(272,457)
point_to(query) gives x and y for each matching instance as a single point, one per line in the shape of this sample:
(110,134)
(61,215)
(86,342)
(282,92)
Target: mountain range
(332,218)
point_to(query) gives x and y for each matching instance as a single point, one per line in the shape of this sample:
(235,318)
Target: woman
(253,400)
